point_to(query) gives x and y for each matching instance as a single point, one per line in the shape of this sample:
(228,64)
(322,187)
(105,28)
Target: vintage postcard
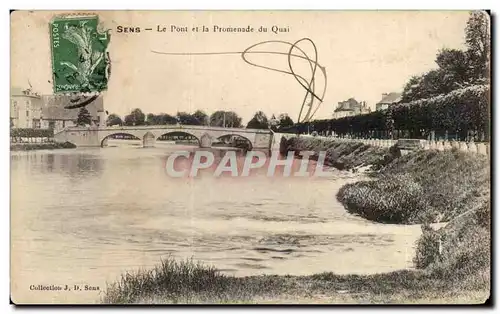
(250,157)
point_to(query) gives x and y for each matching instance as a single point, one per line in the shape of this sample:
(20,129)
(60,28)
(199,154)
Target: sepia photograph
(250,157)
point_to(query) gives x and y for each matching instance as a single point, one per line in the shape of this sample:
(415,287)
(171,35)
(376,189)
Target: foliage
(176,282)
(36,146)
(341,155)
(84,117)
(222,118)
(187,118)
(114,119)
(160,119)
(197,118)
(398,199)
(459,251)
(477,38)
(136,117)
(201,117)
(420,187)
(456,68)
(427,251)
(171,277)
(284,121)
(26,132)
(259,121)
(459,111)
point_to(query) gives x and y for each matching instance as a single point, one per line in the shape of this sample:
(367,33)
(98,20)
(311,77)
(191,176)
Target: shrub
(462,109)
(27,132)
(395,199)
(428,245)
(171,278)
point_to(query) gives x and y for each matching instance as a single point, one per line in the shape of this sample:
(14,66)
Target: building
(25,109)
(350,107)
(388,99)
(31,110)
(55,116)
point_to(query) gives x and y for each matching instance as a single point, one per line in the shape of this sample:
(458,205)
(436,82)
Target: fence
(482,148)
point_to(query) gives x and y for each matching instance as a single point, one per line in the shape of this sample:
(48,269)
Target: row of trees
(219,118)
(452,100)
(461,114)
(456,68)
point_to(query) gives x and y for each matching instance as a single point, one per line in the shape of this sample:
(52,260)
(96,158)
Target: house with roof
(388,99)
(350,107)
(29,109)
(25,108)
(55,116)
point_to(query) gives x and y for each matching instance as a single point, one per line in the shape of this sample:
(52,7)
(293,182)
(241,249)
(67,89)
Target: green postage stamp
(80,62)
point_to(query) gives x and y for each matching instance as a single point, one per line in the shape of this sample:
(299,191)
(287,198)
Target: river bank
(39,146)
(455,271)
(424,187)
(185,282)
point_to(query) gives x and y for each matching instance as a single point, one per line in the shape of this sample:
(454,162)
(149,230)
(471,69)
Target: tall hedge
(26,132)
(460,112)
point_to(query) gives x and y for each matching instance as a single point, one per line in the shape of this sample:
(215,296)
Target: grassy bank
(36,146)
(422,187)
(187,282)
(426,187)
(341,155)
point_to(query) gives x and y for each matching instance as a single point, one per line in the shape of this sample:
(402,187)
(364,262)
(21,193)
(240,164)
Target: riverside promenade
(441,145)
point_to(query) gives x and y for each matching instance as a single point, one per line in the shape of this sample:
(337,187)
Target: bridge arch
(237,139)
(104,140)
(177,133)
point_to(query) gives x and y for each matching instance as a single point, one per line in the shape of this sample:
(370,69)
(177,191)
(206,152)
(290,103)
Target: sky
(365,54)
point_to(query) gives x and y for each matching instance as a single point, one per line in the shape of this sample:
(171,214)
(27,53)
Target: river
(84,216)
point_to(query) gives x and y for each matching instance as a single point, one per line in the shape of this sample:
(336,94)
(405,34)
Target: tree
(167,119)
(455,65)
(222,118)
(151,119)
(136,117)
(84,117)
(477,39)
(114,119)
(187,119)
(259,121)
(457,68)
(273,123)
(201,117)
(285,121)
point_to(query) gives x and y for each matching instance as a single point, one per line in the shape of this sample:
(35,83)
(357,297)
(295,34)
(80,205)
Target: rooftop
(350,105)
(53,107)
(390,98)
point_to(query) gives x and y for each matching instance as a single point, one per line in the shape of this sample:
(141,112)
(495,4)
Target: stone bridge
(96,136)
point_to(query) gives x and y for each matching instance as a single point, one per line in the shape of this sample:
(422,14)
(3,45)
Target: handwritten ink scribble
(78,101)
(311,100)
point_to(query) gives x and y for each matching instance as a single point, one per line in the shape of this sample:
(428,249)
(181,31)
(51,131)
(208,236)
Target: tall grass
(461,251)
(427,187)
(174,281)
(341,155)
(394,199)
(421,187)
